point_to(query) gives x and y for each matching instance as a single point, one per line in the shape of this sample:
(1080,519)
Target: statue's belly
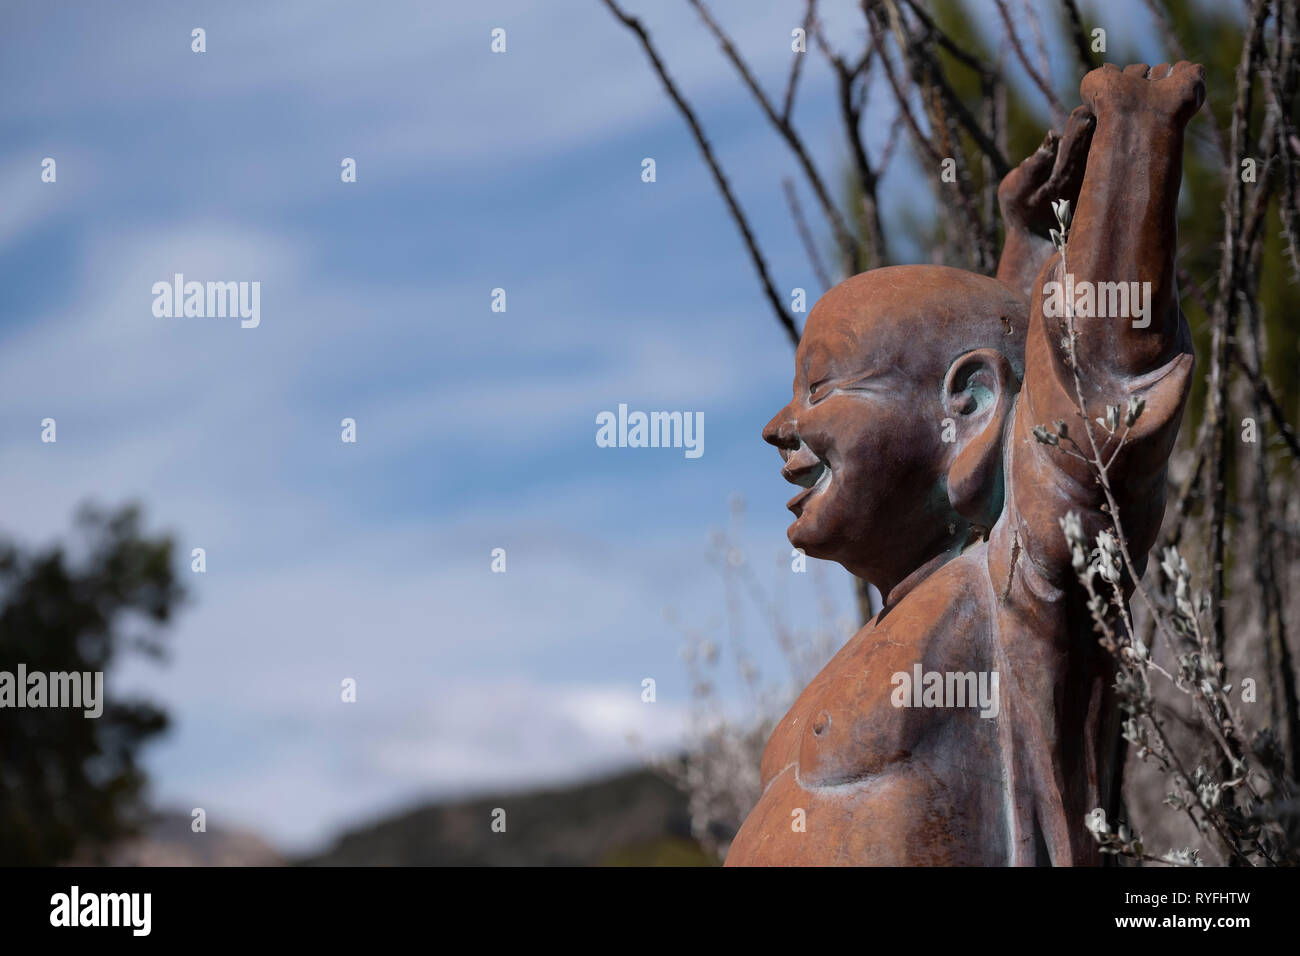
(906,816)
(884,773)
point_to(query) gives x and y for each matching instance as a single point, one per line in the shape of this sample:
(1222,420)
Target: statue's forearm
(1118,277)
(1125,231)
(1115,289)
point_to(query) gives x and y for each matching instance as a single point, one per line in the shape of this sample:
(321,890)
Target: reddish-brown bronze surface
(916,390)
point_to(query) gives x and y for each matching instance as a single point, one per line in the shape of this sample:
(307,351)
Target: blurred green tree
(69,784)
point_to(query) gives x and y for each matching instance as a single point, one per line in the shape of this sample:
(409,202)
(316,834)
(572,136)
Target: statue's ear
(978,392)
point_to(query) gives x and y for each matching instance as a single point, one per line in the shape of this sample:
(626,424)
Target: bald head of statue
(904,381)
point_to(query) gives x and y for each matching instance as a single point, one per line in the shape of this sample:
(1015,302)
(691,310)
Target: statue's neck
(949,549)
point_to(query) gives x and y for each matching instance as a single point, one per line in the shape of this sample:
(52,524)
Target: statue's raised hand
(1025,195)
(1173,92)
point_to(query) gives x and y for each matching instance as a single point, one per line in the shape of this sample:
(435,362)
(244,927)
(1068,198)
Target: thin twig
(760,265)
(787,103)
(1040,80)
(1175,47)
(1265,395)
(843,235)
(1224,317)
(1271,612)
(848,77)
(926,71)
(1082,49)
(809,246)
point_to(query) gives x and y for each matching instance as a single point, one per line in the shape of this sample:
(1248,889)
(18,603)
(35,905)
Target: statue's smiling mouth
(809,470)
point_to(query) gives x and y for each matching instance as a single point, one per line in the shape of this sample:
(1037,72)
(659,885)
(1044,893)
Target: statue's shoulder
(956,596)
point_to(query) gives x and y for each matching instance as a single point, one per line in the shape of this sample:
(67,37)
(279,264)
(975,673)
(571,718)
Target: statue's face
(861,436)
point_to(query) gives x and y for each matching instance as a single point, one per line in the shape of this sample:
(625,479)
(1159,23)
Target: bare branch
(1265,395)
(891,143)
(927,72)
(1080,37)
(843,235)
(760,265)
(1040,79)
(930,157)
(787,104)
(962,56)
(847,77)
(1271,611)
(1231,289)
(809,246)
(1175,47)
(1040,44)
(1281,88)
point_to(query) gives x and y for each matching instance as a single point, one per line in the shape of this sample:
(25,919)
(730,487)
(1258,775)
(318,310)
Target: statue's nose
(781,431)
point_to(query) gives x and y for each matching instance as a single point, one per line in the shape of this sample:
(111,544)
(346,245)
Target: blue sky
(475,429)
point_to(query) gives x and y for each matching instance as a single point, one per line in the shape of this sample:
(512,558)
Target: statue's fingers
(1077,135)
(1038,166)
(1019,187)
(1072,156)
(1139,70)
(1196,70)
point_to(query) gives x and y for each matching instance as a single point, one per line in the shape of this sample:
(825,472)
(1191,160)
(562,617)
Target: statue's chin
(803,535)
(828,543)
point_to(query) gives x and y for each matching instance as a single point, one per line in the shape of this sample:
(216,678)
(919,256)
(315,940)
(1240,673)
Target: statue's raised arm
(1110,304)
(1105,330)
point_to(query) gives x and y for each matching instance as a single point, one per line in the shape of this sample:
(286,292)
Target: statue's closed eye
(823,388)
